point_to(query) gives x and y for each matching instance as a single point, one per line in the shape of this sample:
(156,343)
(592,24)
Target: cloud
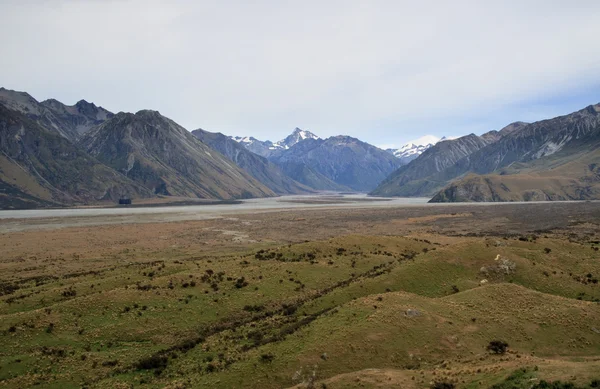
(383,71)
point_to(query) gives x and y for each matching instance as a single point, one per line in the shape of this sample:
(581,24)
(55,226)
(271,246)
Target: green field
(351,311)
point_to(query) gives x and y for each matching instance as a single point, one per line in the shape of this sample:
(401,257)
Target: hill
(562,176)
(272,314)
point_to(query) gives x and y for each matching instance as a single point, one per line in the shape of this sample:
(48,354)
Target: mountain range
(54,154)
(553,159)
(338,163)
(268,148)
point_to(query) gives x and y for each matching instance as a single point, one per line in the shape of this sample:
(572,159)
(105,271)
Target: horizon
(384,72)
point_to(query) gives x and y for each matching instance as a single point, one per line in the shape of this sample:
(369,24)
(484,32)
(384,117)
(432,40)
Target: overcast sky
(383,71)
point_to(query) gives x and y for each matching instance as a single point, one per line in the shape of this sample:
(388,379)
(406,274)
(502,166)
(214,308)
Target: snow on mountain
(425,140)
(297,136)
(266,148)
(414,148)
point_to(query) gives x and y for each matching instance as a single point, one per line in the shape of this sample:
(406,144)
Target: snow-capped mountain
(297,136)
(414,148)
(267,148)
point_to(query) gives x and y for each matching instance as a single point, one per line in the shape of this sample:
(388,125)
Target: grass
(350,311)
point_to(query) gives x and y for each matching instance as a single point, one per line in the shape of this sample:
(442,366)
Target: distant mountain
(344,160)
(259,167)
(259,147)
(310,177)
(68,121)
(164,157)
(415,178)
(296,136)
(268,148)
(409,151)
(40,167)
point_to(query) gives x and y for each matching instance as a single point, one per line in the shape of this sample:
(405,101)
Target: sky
(386,72)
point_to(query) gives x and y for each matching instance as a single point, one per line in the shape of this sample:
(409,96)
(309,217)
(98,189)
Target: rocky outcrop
(69,121)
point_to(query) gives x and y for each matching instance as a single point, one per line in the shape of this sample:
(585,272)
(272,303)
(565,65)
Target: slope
(78,118)
(39,167)
(345,160)
(562,176)
(259,167)
(415,179)
(166,159)
(69,121)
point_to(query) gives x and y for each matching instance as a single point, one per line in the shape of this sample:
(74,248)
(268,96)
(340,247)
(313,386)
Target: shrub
(241,282)
(497,346)
(442,385)
(153,362)
(211,367)
(267,358)
(69,292)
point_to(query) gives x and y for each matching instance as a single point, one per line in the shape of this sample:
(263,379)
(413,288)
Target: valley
(299,195)
(336,296)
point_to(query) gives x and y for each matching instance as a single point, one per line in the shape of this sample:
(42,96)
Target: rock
(412,313)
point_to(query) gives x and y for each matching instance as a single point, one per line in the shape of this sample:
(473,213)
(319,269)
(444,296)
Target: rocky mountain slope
(344,160)
(78,118)
(68,121)
(259,167)
(167,159)
(415,178)
(572,173)
(39,167)
(303,173)
(520,162)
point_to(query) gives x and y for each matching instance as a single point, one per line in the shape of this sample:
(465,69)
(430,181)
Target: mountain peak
(296,136)
(415,147)
(148,113)
(512,127)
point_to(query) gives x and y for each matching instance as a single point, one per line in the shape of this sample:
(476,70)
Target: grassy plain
(369,298)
